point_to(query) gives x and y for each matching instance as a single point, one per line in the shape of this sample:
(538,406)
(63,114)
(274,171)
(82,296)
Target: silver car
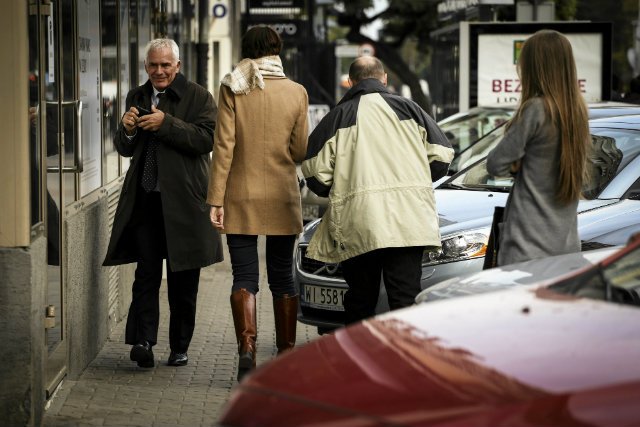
(465,205)
(477,150)
(464,130)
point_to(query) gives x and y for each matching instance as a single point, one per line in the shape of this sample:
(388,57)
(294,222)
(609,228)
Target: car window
(608,140)
(477,151)
(626,140)
(617,282)
(633,192)
(463,131)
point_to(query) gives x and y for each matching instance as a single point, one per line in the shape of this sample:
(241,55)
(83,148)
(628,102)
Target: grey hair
(156,44)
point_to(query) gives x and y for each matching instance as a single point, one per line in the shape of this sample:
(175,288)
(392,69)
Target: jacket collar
(176,89)
(364,87)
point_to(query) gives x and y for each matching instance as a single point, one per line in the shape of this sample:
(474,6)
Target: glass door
(57,119)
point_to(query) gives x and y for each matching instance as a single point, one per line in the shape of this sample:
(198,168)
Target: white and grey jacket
(375,155)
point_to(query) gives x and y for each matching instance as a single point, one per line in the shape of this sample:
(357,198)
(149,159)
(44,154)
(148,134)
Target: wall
(22,302)
(89,322)
(21,266)
(14,160)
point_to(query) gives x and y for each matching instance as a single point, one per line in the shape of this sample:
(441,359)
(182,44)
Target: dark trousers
(243,251)
(400,268)
(147,226)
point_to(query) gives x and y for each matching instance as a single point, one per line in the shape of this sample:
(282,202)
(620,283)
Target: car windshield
(463,130)
(477,151)
(622,144)
(617,282)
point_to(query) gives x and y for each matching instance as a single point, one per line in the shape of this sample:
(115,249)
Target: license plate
(323,297)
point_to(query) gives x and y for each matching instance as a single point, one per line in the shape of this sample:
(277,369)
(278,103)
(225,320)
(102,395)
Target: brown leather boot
(243,307)
(285,311)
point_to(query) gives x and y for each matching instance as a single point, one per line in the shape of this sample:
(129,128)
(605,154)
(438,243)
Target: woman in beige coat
(261,133)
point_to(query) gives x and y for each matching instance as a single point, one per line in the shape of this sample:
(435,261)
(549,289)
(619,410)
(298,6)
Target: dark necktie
(150,167)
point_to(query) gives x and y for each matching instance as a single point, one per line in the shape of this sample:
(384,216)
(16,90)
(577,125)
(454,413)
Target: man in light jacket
(376,156)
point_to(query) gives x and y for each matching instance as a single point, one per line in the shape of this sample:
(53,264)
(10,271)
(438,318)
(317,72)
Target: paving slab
(113,391)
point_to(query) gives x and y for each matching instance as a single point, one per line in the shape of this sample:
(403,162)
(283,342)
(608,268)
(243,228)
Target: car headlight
(457,247)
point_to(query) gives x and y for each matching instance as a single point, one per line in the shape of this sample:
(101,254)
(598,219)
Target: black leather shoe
(178,359)
(142,354)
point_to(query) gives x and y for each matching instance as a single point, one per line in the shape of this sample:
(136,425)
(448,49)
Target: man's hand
(151,122)
(130,121)
(216,214)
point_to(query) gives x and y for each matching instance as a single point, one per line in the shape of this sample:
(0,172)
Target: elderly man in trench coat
(168,133)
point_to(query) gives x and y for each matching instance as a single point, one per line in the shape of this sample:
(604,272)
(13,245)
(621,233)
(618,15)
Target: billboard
(489,54)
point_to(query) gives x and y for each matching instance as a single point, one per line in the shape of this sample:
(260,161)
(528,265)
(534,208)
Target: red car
(559,354)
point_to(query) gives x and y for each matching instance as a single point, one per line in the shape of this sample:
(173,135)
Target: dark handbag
(493,245)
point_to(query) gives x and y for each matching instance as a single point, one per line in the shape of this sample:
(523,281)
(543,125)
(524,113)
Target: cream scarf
(249,73)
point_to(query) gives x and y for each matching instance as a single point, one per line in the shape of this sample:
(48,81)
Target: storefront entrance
(61,115)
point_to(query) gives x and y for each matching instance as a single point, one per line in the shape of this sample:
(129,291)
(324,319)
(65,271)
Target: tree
(403,20)
(566,10)
(622,16)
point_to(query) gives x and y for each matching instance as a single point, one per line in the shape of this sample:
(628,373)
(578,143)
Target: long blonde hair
(547,69)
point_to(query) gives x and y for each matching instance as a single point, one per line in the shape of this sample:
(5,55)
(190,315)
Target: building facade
(63,90)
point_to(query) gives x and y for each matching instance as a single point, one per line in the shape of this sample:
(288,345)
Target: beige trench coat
(259,138)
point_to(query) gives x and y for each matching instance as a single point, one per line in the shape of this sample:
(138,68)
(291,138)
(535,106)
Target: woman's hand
(515,167)
(216,214)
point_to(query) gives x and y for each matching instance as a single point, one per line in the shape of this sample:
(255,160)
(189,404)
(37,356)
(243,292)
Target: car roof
(617,120)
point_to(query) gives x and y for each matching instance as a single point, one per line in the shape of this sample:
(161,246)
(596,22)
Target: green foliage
(566,9)
(406,25)
(410,19)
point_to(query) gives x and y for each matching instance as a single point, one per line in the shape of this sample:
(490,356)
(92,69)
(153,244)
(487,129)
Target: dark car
(465,204)
(559,354)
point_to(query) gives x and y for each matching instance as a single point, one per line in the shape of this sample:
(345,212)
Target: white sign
(89,94)
(498,81)
(51,62)
(219,19)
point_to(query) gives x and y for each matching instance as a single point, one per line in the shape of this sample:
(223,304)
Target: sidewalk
(113,391)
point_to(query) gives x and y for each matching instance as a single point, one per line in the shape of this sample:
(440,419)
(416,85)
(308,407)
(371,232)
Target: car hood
(461,210)
(521,355)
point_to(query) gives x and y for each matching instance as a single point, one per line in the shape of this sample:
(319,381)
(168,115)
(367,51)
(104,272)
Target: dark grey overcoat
(186,139)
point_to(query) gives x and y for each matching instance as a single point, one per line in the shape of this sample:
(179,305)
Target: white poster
(144,37)
(89,72)
(498,81)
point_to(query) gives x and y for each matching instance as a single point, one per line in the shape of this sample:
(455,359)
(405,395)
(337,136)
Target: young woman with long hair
(545,147)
